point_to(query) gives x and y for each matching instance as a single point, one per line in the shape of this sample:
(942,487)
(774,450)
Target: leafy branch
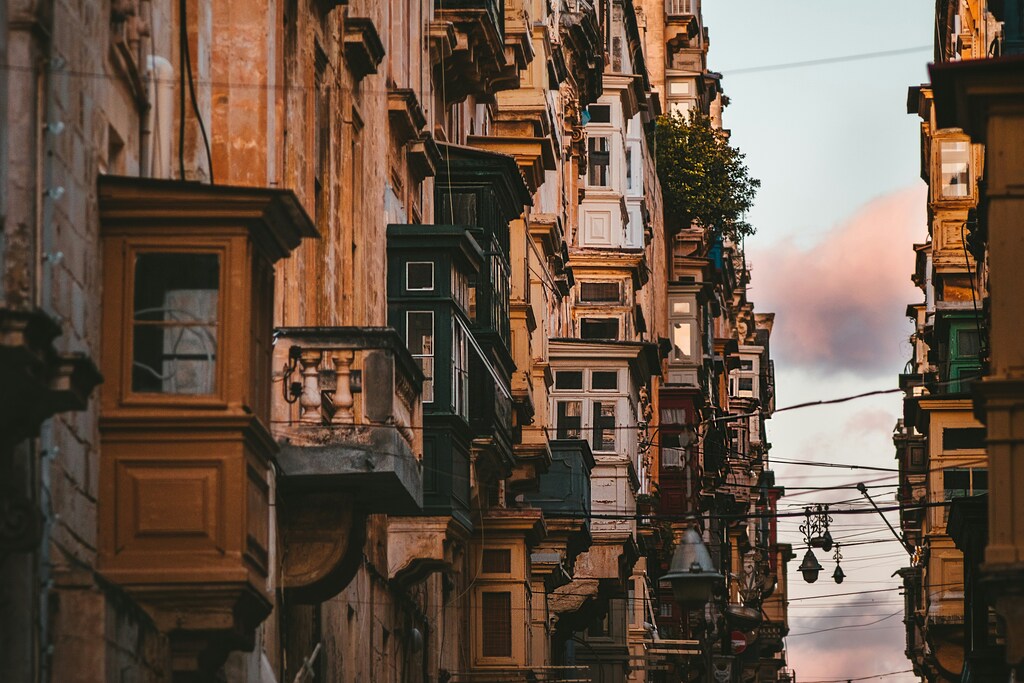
(703,178)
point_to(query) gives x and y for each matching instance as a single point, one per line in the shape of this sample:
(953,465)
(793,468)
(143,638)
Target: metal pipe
(864,490)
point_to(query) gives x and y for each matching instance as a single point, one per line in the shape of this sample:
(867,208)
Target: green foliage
(703,178)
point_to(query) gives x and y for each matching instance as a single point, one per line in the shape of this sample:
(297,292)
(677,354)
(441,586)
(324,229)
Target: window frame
(587,398)
(432,355)
(592,166)
(433,276)
(133,248)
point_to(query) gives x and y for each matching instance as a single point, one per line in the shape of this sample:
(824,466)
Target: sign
(739,642)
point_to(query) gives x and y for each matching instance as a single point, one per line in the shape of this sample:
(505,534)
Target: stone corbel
(420,546)
(364,50)
(322,537)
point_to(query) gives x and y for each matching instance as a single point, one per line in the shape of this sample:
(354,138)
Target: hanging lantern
(810,567)
(838,575)
(692,573)
(826,541)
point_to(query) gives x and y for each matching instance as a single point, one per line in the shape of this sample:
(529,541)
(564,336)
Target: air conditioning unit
(673,458)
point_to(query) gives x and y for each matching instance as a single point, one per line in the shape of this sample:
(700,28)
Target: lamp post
(693,578)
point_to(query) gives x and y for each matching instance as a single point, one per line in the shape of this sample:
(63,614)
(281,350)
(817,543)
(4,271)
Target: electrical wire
(826,60)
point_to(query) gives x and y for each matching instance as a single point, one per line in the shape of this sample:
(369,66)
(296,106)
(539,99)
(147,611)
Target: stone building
(333,338)
(941,441)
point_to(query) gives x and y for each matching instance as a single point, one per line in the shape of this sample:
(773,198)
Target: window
(599,328)
(496,561)
(962,438)
(682,341)
(600,292)
(600,113)
(604,426)
(665,609)
(419,337)
(746,364)
(630,180)
(954,160)
(460,370)
(174,326)
(496,609)
(598,161)
(569,379)
(958,482)
(604,380)
(419,276)
(746,384)
(569,421)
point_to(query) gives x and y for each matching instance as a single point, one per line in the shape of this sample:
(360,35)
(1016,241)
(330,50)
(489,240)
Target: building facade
(960,614)
(338,337)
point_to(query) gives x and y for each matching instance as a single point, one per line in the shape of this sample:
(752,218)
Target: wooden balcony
(348,417)
(468,49)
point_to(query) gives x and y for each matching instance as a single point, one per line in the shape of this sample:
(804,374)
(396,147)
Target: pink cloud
(841,302)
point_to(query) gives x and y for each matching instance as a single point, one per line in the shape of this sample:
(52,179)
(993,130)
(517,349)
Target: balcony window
(604,380)
(569,421)
(460,370)
(604,426)
(569,379)
(599,328)
(959,482)
(419,276)
(174,323)
(598,161)
(496,612)
(600,113)
(419,337)
(955,169)
(600,293)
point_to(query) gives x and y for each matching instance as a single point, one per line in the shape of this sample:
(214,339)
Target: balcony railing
(348,414)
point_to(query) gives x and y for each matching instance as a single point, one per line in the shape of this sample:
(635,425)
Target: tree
(703,178)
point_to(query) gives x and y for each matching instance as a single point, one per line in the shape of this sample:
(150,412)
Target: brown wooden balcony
(348,417)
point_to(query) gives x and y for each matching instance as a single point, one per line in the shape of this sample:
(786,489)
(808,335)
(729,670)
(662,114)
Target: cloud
(840,303)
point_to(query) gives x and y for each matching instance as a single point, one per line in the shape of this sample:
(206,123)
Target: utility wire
(826,60)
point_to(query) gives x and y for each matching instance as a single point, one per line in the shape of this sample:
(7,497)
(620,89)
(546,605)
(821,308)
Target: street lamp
(691,573)
(810,567)
(838,575)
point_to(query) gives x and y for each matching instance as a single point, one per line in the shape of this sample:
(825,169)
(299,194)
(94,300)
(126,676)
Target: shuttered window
(496,608)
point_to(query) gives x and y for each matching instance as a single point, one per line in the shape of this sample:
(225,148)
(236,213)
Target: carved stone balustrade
(348,417)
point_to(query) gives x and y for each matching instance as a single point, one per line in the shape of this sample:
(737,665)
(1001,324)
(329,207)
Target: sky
(841,203)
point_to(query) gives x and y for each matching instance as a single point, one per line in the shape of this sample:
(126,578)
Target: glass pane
(956,482)
(604,380)
(174,342)
(569,419)
(420,333)
(604,426)
(569,379)
(681,339)
(968,344)
(419,338)
(419,276)
(979,483)
(954,159)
